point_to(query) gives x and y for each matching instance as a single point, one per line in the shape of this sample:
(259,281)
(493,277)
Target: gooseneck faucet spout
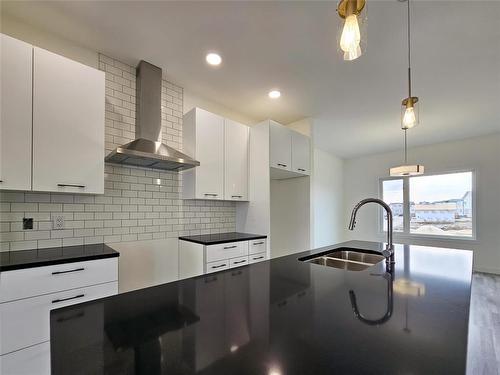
(388,253)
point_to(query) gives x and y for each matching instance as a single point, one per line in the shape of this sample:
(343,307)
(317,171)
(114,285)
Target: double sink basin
(346,258)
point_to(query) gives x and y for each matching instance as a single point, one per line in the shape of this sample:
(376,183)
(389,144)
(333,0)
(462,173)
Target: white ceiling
(292,46)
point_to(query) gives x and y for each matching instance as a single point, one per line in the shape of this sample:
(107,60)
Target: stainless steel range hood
(146,151)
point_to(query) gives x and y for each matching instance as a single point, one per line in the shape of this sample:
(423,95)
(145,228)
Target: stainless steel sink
(346,259)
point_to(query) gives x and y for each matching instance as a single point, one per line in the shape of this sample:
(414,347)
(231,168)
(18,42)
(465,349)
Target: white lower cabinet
(29,361)
(196,259)
(29,294)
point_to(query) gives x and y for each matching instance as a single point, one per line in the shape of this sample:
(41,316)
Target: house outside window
(438,205)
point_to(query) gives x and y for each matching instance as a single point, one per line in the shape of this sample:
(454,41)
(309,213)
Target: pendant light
(409,119)
(351,35)
(409,108)
(406,169)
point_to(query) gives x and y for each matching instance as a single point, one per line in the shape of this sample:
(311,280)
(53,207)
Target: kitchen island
(281,316)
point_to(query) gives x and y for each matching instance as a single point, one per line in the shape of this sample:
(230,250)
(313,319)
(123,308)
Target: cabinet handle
(300,169)
(71,185)
(282,165)
(259,243)
(210,195)
(257,258)
(236,196)
(68,271)
(67,299)
(230,247)
(219,266)
(1,180)
(239,261)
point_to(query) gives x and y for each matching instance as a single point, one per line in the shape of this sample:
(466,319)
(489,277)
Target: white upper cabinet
(15,111)
(280,153)
(68,125)
(236,161)
(204,140)
(301,153)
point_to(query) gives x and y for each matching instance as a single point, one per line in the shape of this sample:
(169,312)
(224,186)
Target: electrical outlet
(57,222)
(27,223)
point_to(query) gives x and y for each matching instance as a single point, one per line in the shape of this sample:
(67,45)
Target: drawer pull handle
(236,196)
(230,247)
(281,165)
(211,195)
(219,266)
(67,299)
(68,271)
(71,185)
(302,170)
(259,243)
(240,261)
(257,258)
(1,180)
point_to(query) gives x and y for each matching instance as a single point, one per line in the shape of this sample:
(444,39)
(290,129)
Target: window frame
(406,234)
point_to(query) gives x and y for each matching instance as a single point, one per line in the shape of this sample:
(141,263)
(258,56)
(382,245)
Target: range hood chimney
(146,150)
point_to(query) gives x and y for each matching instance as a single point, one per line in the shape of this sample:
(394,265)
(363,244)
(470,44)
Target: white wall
(192,100)
(327,199)
(361,180)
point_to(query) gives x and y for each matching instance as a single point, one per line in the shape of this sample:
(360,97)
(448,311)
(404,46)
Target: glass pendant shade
(409,113)
(406,170)
(352,33)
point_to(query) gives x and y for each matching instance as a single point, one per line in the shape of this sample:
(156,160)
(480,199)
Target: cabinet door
(68,125)
(29,361)
(280,146)
(210,154)
(301,153)
(15,111)
(236,161)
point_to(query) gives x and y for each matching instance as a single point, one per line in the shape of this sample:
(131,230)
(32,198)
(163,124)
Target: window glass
(441,204)
(393,196)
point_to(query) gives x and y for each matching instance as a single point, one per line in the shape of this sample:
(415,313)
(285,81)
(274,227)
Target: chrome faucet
(388,252)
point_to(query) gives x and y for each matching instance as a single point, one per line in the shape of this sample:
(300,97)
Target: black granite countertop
(14,260)
(216,238)
(278,317)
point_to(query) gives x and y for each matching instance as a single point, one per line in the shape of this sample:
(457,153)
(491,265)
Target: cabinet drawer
(29,361)
(237,262)
(217,266)
(26,322)
(226,251)
(254,258)
(257,246)
(35,281)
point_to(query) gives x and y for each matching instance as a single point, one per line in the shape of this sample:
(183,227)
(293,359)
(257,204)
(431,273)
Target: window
(431,205)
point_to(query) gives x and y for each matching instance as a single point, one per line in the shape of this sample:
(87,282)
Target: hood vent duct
(146,150)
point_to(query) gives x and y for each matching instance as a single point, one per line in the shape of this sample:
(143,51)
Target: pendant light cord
(409,50)
(406,148)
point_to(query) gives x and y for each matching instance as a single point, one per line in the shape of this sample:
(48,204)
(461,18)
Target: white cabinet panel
(236,161)
(280,146)
(16,113)
(257,246)
(68,125)
(301,153)
(29,361)
(217,266)
(204,140)
(26,322)
(238,262)
(254,258)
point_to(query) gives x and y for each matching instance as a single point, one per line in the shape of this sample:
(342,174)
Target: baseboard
(494,271)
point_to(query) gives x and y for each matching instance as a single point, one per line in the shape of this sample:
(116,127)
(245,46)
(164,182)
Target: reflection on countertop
(282,316)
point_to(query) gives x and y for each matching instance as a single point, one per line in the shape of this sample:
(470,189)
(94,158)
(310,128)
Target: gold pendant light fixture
(409,105)
(351,35)
(409,119)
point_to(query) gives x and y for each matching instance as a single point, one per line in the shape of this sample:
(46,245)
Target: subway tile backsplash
(138,204)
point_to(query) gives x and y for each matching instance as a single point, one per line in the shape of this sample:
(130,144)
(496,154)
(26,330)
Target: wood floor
(484,326)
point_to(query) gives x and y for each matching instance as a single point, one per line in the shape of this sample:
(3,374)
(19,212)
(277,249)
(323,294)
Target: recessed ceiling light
(274,94)
(213,59)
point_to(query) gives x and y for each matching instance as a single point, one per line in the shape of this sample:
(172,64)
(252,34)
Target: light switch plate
(57,222)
